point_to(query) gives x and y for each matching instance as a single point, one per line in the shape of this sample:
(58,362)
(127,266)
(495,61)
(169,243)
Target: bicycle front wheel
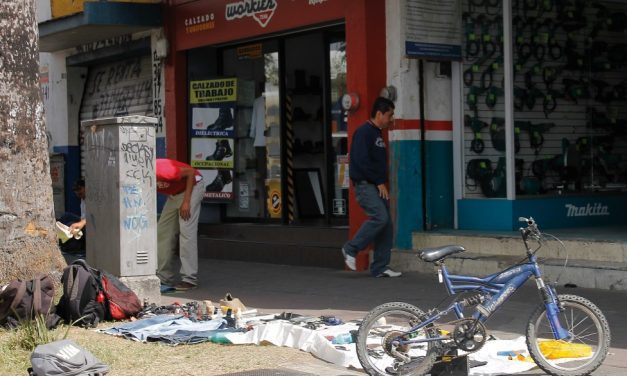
(378,347)
(583,351)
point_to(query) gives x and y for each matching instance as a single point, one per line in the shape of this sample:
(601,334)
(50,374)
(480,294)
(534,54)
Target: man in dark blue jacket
(368,171)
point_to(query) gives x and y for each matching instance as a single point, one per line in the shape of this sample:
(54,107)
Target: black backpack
(24,300)
(83,300)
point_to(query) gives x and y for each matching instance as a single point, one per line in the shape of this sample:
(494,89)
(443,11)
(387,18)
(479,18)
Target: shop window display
(569,99)
(256,143)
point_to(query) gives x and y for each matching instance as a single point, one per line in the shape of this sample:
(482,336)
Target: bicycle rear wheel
(377,347)
(580,354)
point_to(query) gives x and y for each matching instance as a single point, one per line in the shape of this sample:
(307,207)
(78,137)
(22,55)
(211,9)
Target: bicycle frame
(499,286)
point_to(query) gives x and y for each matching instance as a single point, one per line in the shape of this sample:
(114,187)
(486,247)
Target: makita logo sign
(589,210)
(260,10)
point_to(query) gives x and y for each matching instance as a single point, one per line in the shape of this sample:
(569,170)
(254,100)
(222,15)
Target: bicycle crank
(469,335)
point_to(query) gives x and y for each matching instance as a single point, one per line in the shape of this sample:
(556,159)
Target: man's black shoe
(223,150)
(223,178)
(224,120)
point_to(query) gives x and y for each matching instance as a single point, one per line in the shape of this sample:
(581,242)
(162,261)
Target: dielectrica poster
(213,110)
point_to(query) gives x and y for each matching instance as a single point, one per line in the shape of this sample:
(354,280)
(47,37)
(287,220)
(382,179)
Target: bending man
(179,216)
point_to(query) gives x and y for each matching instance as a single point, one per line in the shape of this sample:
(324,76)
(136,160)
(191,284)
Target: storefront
(255,89)
(543,128)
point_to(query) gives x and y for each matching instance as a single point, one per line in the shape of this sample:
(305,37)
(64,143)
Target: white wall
(43,10)
(402,72)
(53,82)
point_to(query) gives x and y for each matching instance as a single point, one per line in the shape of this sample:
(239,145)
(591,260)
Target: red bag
(122,301)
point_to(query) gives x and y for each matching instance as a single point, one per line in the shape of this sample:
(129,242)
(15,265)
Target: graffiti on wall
(109,42)
(137,155)
(157,92)
(119,89)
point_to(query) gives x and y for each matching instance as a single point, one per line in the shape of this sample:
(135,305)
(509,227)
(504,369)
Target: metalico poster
(213,112)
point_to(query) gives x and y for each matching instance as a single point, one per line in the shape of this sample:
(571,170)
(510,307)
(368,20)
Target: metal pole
(508,71)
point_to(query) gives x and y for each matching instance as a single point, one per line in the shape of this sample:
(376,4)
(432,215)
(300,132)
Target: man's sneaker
(389,273)
(166,288)
(349,260)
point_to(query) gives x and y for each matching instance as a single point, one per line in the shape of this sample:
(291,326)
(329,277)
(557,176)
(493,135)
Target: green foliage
(32,333)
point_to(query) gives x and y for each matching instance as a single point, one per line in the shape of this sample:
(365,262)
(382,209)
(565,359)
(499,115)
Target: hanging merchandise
(471,97)
(496,185)
(575,89)
(472,69)
(473,44)
(569,57)
(476,145)
(492,95)
(478,170)
(497,135)
(536,133)
(549,102)
(570,15)
(574,60)
(488,46)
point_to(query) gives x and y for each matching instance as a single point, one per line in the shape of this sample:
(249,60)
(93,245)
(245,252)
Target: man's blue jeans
(377,229)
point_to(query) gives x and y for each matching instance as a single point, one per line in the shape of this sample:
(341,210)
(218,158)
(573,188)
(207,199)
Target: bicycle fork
(553,308)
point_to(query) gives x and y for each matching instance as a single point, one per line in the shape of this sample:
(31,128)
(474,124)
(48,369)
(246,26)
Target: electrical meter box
(121,193)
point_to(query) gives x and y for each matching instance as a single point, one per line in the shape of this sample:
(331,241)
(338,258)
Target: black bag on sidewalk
(83,300)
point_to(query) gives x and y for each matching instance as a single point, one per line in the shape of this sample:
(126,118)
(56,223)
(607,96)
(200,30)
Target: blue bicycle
(567,335)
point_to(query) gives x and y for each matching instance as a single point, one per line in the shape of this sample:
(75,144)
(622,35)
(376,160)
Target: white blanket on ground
(282,333)
(317,342)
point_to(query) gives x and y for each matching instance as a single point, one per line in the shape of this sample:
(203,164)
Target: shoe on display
(389,273)
(184,286)
(223,150)
(224,120)
(349,260)
(223,178)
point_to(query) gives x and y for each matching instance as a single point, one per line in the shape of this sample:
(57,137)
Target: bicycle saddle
(439,253)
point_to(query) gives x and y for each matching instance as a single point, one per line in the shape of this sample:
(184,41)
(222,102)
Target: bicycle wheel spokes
(382,346)
(585,347)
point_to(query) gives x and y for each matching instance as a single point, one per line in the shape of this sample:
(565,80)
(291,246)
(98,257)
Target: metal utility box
(121,192)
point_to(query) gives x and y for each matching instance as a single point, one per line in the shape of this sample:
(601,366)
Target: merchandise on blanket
(331,320)
(83,300)
(25,300)
(65,358)
(231,302)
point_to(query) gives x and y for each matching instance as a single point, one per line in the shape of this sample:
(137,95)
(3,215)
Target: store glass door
(337,129)
(257,156)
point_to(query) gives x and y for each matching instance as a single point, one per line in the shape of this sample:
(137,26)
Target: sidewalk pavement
(350,295)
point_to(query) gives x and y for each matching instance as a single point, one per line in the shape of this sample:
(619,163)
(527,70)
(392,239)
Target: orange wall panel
(63,8)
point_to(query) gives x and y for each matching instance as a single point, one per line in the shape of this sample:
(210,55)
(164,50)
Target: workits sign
(208,22)
(260,10)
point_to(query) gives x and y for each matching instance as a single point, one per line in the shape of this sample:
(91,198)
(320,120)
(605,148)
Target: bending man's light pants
(171,267)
